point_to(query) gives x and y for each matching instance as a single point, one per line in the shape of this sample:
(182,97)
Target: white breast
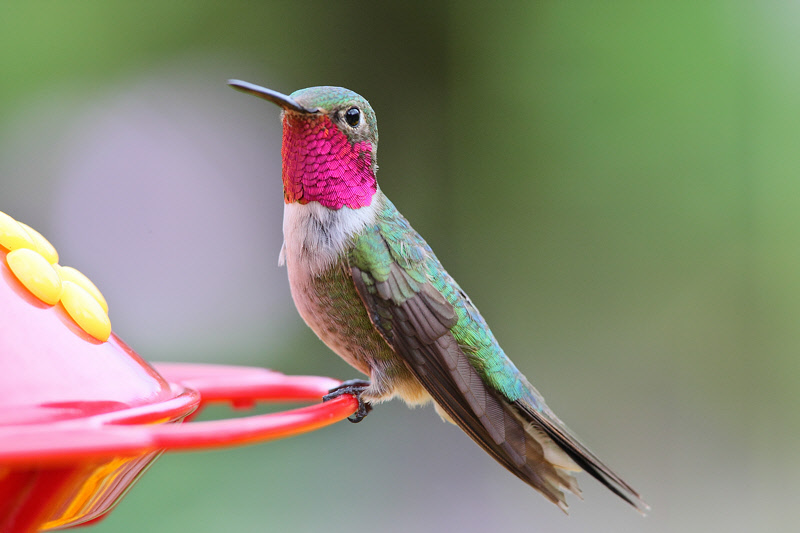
(314,236)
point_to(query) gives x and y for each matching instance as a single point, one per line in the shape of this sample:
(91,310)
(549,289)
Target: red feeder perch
(81,417)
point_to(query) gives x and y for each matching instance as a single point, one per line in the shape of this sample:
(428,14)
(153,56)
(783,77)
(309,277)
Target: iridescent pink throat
(321,165)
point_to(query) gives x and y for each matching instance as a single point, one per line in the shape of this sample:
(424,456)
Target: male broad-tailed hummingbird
(372,290)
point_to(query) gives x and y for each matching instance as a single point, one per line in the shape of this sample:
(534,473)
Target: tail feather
(545,421)
(498,426)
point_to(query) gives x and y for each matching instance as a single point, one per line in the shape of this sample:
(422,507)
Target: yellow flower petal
(36,274)
(76,276)
(12,235)
(43,246)
(85,311)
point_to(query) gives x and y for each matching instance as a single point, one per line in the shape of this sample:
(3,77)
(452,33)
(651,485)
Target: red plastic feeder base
(69,472)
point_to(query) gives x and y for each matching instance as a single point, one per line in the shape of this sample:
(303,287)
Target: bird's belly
(331,307)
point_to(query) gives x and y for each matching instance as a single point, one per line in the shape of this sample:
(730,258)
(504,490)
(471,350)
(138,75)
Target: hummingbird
(373,291)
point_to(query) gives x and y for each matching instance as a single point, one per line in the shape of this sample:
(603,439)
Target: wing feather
(435,358)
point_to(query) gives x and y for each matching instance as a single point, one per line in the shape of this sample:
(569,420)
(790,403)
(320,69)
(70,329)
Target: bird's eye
(353,116)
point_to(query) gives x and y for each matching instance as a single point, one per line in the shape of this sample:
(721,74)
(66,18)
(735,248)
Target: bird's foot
(353,387)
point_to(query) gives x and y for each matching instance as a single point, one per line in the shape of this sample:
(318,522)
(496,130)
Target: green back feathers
(392,243)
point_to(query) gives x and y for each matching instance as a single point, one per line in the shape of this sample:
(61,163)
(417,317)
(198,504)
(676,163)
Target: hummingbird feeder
(82,415)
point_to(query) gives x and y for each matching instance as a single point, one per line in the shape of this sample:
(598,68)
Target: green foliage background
(615,184)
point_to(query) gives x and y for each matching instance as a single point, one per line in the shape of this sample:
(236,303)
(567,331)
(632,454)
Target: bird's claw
(353,387)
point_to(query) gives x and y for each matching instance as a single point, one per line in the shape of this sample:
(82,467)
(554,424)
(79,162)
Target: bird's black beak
(268,94)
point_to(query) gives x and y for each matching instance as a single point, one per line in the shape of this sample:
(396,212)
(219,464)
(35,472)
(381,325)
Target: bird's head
(330,144)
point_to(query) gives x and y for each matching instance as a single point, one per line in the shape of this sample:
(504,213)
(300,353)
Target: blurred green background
(615,184)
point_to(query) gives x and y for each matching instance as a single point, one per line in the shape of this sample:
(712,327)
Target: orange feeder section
(82,415)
